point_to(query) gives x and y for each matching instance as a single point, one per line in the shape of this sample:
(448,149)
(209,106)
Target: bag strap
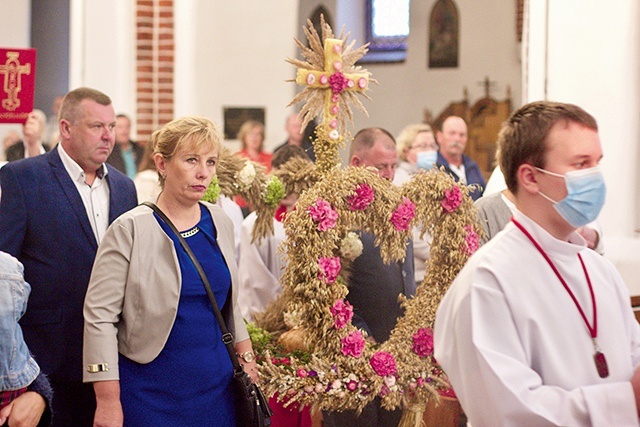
(227,337)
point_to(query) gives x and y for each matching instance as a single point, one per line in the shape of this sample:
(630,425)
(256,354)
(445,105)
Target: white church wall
(593,62)
(232,54)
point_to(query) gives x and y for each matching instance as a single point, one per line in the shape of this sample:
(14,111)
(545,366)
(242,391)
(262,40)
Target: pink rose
(342,313)
(322,214)
(472,240)
(353,344)
(337,82)
(329,269)
(423,342)
(363,198)
(404,213)
(452,199)
(383,363)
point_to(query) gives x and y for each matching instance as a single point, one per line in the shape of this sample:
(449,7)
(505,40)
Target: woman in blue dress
(152,346)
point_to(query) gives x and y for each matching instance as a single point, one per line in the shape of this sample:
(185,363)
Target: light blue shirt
(17,368)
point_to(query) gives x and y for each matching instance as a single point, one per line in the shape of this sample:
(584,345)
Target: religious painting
(234,117)
(444,35)
(18,78)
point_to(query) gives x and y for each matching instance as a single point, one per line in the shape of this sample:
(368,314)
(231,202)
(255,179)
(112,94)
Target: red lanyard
(598,357)
(592,330)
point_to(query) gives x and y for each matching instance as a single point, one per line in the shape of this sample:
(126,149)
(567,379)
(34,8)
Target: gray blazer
(133,295)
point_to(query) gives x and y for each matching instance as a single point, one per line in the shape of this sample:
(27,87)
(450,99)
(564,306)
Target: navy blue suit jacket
(44,224)
(471,169)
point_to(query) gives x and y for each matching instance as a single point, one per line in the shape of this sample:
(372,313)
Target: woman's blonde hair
(193,131)
(405,140)
(247,127)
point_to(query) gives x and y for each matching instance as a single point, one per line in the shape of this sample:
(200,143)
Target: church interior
(160,59)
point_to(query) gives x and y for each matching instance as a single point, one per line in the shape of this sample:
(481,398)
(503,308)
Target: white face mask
(586,193)
(426,159)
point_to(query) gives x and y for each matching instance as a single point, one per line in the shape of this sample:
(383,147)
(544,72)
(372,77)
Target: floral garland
(338,368)
(345,370)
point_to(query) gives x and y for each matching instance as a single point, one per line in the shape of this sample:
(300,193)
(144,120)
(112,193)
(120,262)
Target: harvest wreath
(335,366)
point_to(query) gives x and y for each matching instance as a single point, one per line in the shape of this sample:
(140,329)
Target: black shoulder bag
(252,407)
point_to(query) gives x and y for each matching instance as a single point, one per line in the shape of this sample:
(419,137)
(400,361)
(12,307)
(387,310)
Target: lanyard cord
(592,330)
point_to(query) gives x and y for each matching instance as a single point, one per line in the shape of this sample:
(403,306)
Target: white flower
(351,246)
(390,381)
(246,175)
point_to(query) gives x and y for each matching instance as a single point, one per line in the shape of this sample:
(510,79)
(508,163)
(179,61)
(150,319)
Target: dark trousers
(372,416)
(74,404)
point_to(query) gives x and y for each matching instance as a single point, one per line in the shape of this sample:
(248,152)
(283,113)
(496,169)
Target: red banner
(18,77)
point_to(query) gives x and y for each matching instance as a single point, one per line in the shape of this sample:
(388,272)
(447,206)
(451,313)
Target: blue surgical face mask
(426,159)
(586,192)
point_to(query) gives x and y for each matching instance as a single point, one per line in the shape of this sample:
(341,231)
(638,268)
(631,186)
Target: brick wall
(154,66)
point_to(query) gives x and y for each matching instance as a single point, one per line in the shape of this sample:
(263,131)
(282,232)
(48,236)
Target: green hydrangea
(213,191)
(274,192)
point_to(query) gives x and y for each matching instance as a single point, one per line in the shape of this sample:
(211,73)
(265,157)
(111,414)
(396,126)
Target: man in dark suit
(374,286)
(54,210)
(126,154)
(453,140)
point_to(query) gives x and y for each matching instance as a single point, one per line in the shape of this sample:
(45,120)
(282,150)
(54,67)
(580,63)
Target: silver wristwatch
(247,356)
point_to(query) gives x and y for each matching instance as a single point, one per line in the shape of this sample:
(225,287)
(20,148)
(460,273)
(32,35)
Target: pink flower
(363,198)
(337,82)
(423,342)
(452,199)
(342,313)
(322,214)
(404,213)
(472,240)
(353,344)
(329,269)
(352,385)
(383,363)
(302,373)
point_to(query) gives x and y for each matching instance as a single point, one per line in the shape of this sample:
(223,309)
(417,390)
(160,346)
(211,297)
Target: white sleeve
(258,285)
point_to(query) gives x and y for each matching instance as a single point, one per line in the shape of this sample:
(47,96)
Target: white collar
(73,169)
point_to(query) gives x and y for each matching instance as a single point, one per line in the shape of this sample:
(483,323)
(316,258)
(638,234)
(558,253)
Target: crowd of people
(108,323)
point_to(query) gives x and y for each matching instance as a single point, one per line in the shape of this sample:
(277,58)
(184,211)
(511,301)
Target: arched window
(387,28)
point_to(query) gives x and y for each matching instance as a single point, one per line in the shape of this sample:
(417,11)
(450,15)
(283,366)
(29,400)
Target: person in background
(374,286)
(52,131)
(453,141)
(251,136)
(32,142)
(537,329)
(126,155)
(299,137)
(54,211)
(152,346)
(147,180)
(10,138)
(25,392)
(417,150)
(261,264)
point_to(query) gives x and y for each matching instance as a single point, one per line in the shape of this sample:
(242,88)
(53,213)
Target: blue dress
(189,383)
